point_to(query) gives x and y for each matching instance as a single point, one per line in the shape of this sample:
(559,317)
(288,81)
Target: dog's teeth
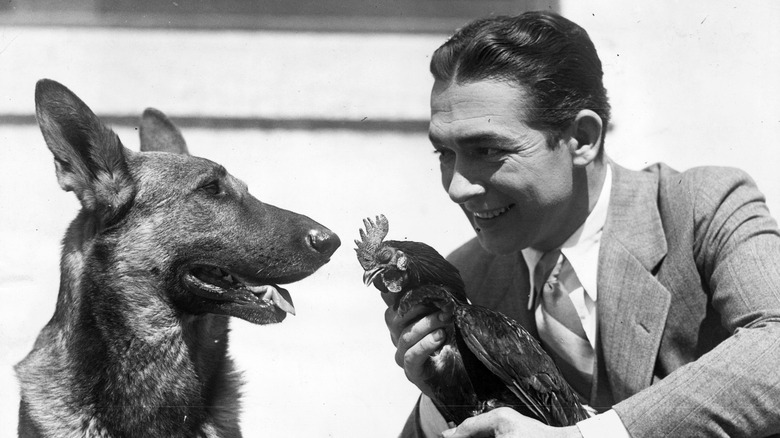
(264,289)
(271,295)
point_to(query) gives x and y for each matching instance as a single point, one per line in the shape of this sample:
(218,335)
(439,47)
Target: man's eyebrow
(475,139)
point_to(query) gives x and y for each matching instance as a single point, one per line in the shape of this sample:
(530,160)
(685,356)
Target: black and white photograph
(246,218)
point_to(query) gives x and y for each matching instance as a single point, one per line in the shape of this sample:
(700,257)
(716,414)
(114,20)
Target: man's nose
(461,188)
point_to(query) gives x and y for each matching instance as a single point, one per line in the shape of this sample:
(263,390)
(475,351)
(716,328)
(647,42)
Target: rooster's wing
(517,358)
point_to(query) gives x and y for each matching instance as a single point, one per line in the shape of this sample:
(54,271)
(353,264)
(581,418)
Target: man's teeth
(491,214)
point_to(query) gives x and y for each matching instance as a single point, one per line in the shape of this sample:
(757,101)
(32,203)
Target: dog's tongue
(277,295)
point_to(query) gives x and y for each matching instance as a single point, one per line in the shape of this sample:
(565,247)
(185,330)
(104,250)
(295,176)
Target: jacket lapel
(632,304)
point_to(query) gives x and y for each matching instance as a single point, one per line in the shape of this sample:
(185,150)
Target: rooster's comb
(370,239)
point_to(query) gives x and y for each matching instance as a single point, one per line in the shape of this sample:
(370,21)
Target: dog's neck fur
(167,386)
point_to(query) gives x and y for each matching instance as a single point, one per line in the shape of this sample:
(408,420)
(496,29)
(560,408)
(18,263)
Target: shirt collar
(582,247)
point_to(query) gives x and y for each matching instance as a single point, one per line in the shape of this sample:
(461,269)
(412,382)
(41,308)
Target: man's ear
(584,137)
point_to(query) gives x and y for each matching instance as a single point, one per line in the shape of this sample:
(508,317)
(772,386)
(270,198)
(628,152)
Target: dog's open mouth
(240,293)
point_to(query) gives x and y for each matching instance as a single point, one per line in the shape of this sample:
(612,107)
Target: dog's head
(172,228)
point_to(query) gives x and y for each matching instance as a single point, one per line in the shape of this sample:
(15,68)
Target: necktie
(559,326)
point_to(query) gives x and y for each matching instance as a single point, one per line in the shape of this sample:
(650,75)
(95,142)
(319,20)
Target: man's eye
(211,187)
(489,153)
(443,153)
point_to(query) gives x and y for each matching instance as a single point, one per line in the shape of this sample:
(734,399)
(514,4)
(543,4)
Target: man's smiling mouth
(491,214)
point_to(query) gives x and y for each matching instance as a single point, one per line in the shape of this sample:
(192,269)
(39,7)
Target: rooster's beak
(370,275)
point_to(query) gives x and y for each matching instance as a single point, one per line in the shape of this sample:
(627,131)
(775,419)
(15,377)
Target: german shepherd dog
(166,247)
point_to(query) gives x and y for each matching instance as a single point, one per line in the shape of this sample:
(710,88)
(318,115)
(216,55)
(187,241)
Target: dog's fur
(138,341)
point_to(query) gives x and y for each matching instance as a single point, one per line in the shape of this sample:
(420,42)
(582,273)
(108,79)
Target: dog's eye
(212,188)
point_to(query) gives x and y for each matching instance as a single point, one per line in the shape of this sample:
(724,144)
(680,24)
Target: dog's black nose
(324,241)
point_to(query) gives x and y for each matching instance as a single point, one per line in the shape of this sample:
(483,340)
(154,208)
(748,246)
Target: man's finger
(474,427)
(414,359)
(501,422)
(419,339)
(398,324)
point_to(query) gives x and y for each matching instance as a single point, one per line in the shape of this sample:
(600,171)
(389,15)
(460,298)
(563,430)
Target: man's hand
(508,423)
(416,336)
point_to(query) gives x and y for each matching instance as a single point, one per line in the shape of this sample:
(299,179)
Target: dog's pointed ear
(159,134)
(88,156)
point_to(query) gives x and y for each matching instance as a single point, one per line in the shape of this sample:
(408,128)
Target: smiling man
(516,190)
(670,323)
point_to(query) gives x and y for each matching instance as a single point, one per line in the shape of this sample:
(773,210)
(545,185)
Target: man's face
(516,191)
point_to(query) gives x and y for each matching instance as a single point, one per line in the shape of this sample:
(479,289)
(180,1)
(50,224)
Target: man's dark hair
(552,58)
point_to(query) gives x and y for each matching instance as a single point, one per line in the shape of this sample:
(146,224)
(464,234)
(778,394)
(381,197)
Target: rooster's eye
(385,255)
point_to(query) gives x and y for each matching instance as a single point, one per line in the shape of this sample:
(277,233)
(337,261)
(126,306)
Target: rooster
(488,360)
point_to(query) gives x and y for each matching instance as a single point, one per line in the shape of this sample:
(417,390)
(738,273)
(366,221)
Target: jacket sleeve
(412,428)
(425,420)
(732,390)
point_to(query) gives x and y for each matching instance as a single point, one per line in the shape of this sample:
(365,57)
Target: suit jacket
(688,339)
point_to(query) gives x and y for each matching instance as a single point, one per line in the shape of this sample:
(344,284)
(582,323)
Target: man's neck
(592,178)
(596,175)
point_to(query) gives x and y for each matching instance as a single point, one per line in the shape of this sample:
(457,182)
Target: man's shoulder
(693,196)
(702,177)
(694,184)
